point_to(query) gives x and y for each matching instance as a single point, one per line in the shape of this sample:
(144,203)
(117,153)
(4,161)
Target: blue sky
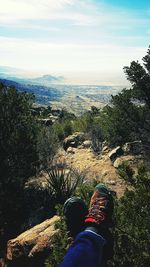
(86,41)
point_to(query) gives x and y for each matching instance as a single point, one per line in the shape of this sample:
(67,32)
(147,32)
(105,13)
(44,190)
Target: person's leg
(87,249)
(75,211)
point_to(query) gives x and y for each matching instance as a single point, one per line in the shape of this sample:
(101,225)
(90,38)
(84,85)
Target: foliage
(46,111)
(83,123)
(96,135)
(47,145)
(122,122)
(132,229)
(65,115)
(59,131)
(139,77)
(67,128)
(126,172)
(26,147)
(41,112)
(18,153)
(128,116)
(62,129)
(63,181)
(60,241)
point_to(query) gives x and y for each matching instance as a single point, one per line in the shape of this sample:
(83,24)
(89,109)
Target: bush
(67,128)
(59,131)
(25,147)
(60,242)
(62,129)
(126,172)
(18,154)
(132,228)
(83,123)
(97,138)
(47,146)
(63,181)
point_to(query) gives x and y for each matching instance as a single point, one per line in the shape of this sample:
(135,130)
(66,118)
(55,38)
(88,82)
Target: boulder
(115,153)
(37,241)
(74,140)
(111,182)
(134,148)
(122,159)
(87,144)
(105,149)
(71,150)
(53,118)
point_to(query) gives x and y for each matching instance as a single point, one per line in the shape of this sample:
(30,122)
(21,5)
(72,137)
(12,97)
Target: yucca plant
(63,181)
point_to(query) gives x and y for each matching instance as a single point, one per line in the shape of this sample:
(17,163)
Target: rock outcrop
(32,247)
(129,158)
(74,140)
(87,144)
(115,153)
(134,148)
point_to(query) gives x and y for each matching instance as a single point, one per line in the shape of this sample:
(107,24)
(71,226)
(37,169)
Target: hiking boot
(101,207)
(75,211)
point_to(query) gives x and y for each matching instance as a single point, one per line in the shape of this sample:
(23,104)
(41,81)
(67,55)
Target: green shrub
(132,228)
(60,242)
(126,172)
(47,146)
(63,181)
(96,135)
(83,123)
(67,128)
(59,131)
(18,154)
(62,129)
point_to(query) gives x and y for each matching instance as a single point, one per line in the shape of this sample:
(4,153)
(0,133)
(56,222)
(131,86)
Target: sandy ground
(96,167)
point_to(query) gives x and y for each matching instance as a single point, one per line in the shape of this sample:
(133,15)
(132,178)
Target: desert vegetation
(30,137)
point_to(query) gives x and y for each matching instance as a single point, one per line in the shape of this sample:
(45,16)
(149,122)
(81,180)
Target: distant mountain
(47,78)
(12,74)
(43,95)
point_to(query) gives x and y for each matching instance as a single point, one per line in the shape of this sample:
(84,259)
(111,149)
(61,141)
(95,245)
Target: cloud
(77,36)
(13,11)
(76,12)
(67,57)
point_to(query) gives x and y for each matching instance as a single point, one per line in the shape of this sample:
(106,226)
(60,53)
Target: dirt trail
(96,167)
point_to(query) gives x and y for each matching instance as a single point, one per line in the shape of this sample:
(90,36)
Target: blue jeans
(86,251)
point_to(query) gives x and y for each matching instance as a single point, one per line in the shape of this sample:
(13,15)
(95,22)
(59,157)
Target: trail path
(96,167)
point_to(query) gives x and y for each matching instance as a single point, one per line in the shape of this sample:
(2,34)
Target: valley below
(75,98)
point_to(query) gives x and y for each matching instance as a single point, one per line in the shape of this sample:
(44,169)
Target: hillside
(76,99)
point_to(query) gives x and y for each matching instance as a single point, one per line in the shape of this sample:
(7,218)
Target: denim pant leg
(86,251)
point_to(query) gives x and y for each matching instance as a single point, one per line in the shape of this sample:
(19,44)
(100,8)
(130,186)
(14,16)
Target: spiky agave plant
(63,181)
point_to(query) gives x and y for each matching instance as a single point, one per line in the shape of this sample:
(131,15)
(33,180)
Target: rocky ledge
(32,247)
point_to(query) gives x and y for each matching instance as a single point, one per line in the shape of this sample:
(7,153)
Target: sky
(86,41)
